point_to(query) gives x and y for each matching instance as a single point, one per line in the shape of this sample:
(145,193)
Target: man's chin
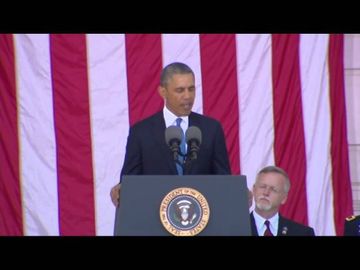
(187,108)
(263,207)
(186,113)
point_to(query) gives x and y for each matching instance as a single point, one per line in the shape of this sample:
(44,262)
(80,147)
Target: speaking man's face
(179,94)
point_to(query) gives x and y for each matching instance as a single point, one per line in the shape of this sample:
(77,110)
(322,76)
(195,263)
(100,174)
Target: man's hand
(115,195)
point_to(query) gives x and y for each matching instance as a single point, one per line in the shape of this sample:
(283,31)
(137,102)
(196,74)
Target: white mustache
(263,198)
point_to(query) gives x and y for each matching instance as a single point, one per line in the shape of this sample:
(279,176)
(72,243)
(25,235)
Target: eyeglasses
(271,188)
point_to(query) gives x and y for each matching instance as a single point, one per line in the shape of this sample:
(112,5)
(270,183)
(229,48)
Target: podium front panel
(138,213)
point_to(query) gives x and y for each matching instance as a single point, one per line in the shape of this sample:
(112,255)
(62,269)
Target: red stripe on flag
(10,195)
(73,134)
(144,64)
(289,145)
(339,145)
(220,91)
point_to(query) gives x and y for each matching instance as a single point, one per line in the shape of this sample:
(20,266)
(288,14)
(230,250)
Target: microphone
(173,137)
(193,139)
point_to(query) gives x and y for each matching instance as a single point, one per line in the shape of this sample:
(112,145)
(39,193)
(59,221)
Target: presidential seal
(184,212)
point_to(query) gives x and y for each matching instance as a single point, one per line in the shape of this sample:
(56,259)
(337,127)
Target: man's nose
(187,94)
(267,190)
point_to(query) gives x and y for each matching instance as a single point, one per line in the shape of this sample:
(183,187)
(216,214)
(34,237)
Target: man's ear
(284,199)
(161,91)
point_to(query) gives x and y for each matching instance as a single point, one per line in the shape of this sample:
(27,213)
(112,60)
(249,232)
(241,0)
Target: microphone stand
(187,164)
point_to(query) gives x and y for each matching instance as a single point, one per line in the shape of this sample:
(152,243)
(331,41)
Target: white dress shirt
(260,223)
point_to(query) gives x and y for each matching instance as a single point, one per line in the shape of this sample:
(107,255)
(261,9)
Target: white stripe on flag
(255,104)
(110,120)
(316,114)
(185,48)
(37,137)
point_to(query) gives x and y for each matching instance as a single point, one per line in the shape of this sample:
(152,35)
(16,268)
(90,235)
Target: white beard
(263,206)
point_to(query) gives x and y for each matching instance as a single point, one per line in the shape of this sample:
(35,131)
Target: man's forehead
(271,175)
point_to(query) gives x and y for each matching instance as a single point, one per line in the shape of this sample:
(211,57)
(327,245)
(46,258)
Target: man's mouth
(187,106)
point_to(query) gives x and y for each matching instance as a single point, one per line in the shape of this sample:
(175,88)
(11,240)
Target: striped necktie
(267,231)
(179,167)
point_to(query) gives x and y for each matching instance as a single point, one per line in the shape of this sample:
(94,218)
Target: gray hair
(174,68)
(274,169)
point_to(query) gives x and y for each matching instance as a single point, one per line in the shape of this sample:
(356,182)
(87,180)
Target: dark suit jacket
(352,227)
(148,154)
(287,227)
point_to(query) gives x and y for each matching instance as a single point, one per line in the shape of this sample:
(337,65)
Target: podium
(145,201)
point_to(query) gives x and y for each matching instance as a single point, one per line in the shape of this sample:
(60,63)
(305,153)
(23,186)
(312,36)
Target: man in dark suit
(147,152)
(270,192)
(352,226)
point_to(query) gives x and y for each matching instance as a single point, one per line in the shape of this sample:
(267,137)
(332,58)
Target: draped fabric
(67,101)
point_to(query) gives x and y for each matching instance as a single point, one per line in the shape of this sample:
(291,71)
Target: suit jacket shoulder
(292,228)
(287,227)
(352,226)
(196,117)
(157,118)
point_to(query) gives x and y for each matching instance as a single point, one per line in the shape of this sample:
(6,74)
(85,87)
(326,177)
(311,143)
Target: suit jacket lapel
(254,231)
(159,134)
(190,166)
(193,120)
(282,228)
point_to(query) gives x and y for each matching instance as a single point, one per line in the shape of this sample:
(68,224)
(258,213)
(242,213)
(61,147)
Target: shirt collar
(170,119)
(261,227)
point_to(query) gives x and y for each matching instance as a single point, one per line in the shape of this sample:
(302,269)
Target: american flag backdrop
(67,101)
